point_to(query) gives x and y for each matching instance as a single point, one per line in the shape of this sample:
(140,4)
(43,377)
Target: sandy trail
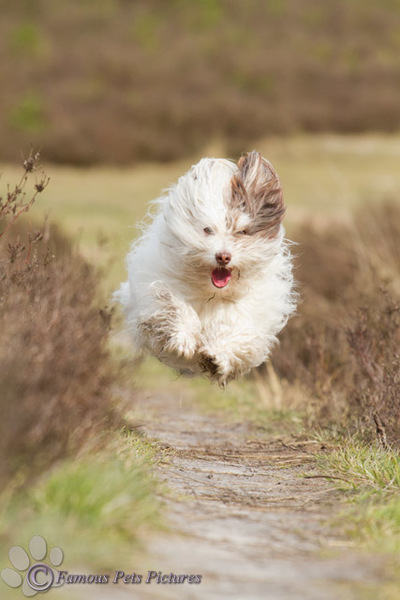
(242,514)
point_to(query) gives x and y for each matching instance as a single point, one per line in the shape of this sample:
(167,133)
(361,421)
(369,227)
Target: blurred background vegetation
(122,81)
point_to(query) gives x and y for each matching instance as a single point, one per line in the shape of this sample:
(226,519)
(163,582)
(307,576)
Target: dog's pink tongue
(220,277)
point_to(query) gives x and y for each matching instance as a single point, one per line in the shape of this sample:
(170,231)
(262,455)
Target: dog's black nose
(223,258)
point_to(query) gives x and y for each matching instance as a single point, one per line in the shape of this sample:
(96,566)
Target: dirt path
(243,515)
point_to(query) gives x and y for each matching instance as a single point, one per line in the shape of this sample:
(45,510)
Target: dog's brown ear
(256,189)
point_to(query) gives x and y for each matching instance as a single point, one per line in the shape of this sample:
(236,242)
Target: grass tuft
(98,508)
(366,469)
(371,477)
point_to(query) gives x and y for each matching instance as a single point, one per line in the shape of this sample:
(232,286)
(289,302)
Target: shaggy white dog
(210,281)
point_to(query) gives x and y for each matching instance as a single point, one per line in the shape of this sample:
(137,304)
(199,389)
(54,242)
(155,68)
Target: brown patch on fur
(257,190)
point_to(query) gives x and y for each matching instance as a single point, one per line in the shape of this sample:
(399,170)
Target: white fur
(172,307)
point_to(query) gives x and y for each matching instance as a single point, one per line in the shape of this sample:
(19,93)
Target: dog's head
(225,222)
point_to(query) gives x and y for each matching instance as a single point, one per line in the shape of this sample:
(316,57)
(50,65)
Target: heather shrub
(56,377)
(343,347)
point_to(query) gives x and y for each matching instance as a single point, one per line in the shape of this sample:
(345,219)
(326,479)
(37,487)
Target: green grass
(98,508)
(370,478)
(368,469)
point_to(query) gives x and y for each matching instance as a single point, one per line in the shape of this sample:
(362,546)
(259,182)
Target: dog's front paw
(218,368)
(181,344)
(208,364)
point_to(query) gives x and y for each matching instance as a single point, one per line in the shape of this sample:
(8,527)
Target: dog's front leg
(173,327)
(230,352)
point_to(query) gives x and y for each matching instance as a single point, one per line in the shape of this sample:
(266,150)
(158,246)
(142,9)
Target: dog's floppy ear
(256,190)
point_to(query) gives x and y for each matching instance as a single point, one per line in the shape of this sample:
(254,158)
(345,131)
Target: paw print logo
(37,577)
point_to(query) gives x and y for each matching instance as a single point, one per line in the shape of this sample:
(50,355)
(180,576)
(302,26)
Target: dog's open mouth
(220,277)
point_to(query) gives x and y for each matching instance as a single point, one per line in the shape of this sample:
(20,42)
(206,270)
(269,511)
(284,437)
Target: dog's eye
(208,231)
(242,232)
